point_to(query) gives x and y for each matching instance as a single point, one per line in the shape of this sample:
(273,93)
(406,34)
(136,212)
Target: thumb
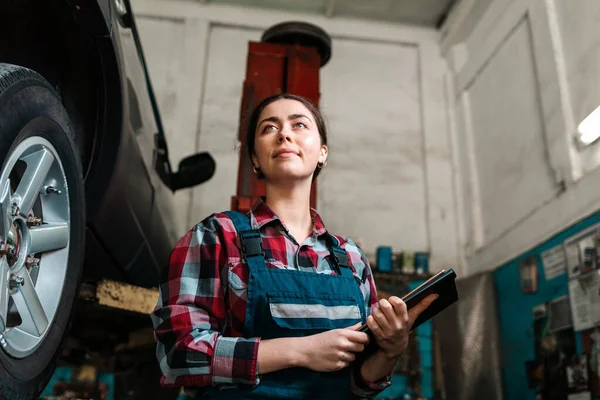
(414,312)
(355,326)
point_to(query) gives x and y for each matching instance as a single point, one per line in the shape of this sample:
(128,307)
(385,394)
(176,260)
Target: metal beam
(126,297)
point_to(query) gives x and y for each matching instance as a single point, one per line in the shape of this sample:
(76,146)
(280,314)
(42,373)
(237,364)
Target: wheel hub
(14,241)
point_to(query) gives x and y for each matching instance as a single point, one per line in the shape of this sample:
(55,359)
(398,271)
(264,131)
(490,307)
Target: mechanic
(278,319)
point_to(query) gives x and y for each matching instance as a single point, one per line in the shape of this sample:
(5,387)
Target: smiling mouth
(286,154)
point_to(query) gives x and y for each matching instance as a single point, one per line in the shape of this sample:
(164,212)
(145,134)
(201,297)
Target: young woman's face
(287,143)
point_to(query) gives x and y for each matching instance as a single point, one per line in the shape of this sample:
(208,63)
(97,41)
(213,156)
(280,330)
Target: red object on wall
(272,69)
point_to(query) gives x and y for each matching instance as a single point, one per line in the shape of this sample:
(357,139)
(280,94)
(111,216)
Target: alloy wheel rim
(34,244)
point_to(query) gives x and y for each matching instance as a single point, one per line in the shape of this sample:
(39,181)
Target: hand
(332,350)
(391,323)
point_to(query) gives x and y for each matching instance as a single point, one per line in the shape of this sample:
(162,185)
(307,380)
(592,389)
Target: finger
(355,326)
(342,365)
(382,321)
(414,312)
(347,357)
(388,310)
(358,337)
(398,304)
(355,347)
(374,327)
(400,317)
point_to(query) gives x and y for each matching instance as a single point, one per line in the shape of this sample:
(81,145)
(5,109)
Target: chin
(290,176)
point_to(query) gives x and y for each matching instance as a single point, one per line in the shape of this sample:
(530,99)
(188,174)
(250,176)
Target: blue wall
(516,312)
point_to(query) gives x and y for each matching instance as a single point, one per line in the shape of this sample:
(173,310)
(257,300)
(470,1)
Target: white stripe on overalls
(289,310)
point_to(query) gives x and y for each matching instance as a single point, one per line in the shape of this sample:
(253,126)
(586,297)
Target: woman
(267,306)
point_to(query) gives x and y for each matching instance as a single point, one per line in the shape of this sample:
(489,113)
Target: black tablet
(443,283)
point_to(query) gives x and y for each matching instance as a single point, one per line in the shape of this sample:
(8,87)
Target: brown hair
(253,122)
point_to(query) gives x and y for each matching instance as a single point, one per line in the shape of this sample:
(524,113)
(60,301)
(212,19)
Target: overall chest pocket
(313,311)
(238,277)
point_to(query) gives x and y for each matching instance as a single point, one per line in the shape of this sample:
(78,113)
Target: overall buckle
(341,257)
(251,243)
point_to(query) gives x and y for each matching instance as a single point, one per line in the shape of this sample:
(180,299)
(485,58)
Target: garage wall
(523,74)
(377,166)
(390,165)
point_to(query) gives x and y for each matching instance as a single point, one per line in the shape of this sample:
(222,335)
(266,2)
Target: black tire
(29,106)
(301,33)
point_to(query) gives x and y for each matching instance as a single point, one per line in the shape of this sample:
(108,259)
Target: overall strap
(250,241)
(341,257)
(343,261)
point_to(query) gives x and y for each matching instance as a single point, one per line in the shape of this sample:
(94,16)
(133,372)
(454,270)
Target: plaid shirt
(200,315)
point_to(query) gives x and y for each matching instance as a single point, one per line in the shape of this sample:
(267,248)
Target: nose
(285,134)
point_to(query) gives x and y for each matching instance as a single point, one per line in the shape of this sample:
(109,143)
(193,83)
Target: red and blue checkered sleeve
(191,313)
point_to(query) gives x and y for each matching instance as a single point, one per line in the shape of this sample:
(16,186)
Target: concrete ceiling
(419,12)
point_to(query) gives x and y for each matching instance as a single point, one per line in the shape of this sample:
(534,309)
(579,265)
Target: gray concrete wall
(523,74)
(389,180)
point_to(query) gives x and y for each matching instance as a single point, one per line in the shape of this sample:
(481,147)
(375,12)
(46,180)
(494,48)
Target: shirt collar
(261,215)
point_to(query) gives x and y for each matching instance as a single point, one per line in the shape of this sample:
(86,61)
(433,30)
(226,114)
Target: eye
(300,125)
(269,128)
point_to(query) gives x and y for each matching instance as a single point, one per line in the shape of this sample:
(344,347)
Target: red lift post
(286,60)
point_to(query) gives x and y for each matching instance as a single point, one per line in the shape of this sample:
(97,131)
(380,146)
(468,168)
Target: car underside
(80,201)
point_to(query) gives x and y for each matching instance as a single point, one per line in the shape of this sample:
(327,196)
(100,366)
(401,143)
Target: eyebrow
(297,116)
(290,117)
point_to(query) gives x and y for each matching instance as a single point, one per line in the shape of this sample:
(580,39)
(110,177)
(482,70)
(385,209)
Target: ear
(323,153)
(254,161)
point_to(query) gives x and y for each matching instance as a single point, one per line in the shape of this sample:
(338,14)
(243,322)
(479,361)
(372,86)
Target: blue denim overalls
(289,303)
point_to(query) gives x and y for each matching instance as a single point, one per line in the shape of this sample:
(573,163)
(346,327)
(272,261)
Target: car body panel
(127,221)
(105,7)
(123,186)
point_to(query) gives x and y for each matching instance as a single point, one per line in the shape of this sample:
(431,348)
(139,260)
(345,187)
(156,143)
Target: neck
(292,205)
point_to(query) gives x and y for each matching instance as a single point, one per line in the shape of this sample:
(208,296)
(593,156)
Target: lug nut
(52,190)
(15,282)
(15,210)
(33,221)
(7,249)
(32,262)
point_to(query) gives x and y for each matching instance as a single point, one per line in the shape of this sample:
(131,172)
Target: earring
(322,164)
(256,169)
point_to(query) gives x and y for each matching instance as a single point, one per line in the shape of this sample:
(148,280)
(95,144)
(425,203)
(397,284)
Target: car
(85,182)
